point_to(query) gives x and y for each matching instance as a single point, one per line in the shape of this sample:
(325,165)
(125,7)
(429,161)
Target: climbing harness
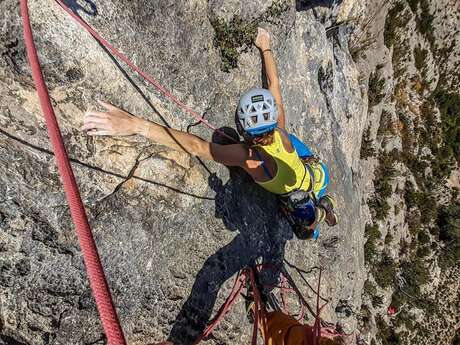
(301,213)
(248,278)
(305,209)
(299,208)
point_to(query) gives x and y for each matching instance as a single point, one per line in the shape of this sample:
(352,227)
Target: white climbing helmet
(257,111)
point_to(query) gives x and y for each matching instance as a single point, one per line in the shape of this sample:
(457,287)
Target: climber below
(277,161)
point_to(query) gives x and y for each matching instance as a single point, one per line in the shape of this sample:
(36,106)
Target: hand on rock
(263,39)
(114,121)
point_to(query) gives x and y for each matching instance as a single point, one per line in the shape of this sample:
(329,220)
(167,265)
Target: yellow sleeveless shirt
(291,173)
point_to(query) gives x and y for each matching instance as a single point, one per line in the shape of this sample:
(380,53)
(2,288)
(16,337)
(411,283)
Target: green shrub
(384,125)
(384,174)
(380,207)
(410,195)
(424,19)
(441,164)
(273,13)
(416,275)
(238,35)
(437,136)
(377,301)
(369,288)
(425,202)
(232,37)
(423,251)
(428,304)
(448,223)
(425,22)
(385,333)
(367,145)
(385,271)
(420,56)
(406,319)
(431,123)
(398,299)
(394,20)
(376,88)
(449,106)
(428,207)
(413,4)
(413,222)
(423,237)
(372,234)
(417,165)
(388,238)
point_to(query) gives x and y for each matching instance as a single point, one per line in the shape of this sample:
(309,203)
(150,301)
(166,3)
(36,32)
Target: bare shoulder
(231,155)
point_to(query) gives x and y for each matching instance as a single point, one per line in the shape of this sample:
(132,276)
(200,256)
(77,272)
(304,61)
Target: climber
(283,329)
(276,160)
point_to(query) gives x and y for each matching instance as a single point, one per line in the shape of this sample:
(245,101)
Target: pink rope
(147,77)
(88,247)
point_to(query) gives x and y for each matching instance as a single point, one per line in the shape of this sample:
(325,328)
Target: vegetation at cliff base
(367,145)
(421,124)
(376,91)
(449,106)
(372,235)
(448,222)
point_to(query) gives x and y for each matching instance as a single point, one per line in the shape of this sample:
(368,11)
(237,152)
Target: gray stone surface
(172,231)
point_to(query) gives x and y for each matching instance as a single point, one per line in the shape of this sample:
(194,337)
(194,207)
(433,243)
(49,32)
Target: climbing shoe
(327,203)
(320,215)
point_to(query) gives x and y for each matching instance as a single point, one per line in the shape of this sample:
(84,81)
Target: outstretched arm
(116,121)
(263,43)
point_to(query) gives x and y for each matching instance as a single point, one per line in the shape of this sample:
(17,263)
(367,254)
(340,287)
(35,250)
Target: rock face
(172,230)
(408,53)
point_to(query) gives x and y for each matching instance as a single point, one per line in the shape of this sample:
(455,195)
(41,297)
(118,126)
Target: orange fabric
(283,329)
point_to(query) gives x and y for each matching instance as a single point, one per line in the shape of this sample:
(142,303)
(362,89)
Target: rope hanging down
(247,278)
(91,258)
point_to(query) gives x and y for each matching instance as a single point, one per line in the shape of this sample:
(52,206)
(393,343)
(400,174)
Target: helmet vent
(257,111)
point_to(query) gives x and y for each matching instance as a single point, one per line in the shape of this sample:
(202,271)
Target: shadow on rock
(305,5)
(250,211)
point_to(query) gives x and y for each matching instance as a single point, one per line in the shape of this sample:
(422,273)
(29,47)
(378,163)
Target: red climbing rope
(247,278)
(91,258)
(147,77)
(244,276)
